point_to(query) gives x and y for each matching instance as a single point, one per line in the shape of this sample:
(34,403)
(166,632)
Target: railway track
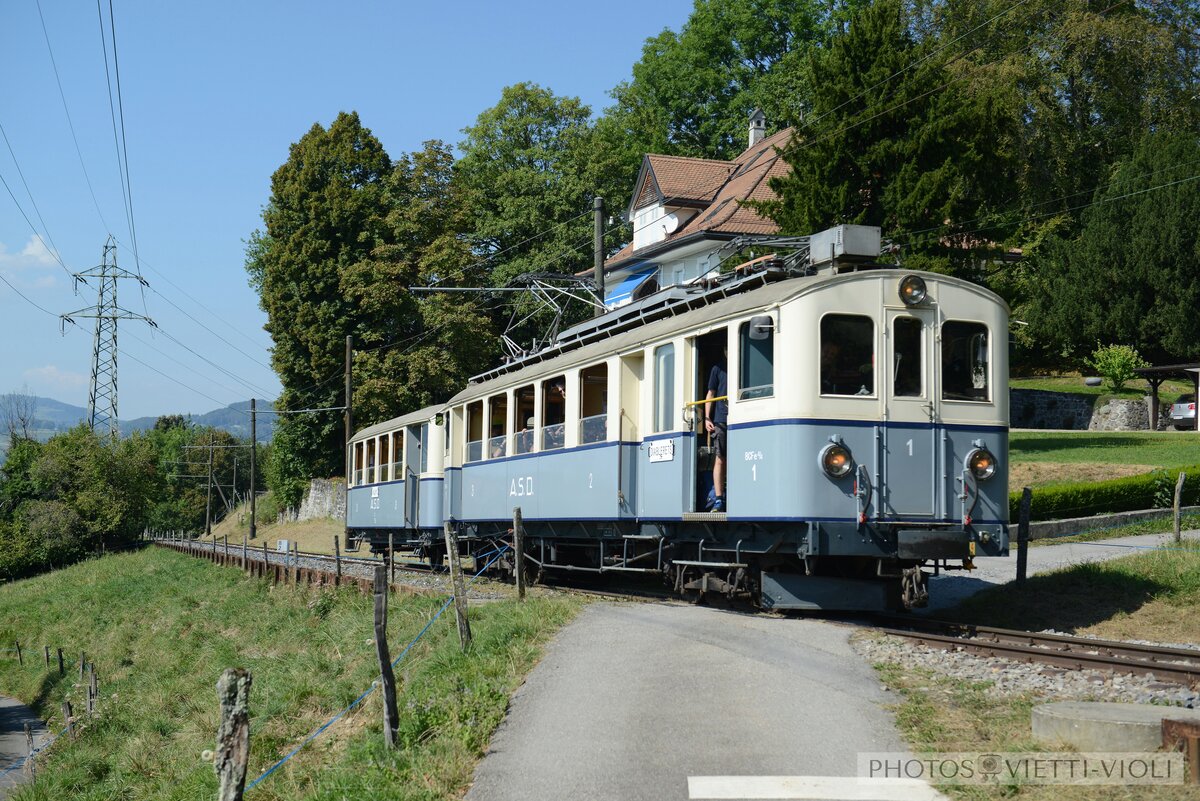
(1180,665)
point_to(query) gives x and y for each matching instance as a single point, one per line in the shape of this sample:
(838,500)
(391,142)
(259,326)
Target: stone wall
(1037,408)
(1122,415)
(326,497)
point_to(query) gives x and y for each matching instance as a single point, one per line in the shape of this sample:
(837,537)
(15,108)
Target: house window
(965,360)
(847,355)
(756,378)
(554,413)
(664,388)
(907,381)
(593,404)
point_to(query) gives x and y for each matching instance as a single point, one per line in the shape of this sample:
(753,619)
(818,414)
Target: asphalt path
(633,700)
(13,745)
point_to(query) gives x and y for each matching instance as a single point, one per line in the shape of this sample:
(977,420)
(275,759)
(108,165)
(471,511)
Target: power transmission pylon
(102,392)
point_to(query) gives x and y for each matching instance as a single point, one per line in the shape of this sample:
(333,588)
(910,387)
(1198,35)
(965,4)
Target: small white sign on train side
(662,450)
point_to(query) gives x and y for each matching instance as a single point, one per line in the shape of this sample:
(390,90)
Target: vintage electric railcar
(867,440)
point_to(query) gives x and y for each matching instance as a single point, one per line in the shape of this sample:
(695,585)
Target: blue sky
(213,94)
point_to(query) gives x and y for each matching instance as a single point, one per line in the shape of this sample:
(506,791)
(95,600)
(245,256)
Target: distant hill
(53,417)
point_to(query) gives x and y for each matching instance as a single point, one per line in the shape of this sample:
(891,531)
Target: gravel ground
(360,567)
(1018,678)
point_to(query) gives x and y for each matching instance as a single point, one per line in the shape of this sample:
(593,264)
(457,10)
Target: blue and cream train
(867,442)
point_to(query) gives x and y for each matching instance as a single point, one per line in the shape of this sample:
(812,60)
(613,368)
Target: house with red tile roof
(685,210)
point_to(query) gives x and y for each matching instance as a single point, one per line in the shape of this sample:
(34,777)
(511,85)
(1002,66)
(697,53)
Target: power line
(24,297)
(28,191)
(62,95)
(166,355)
(34,229)
(153,369)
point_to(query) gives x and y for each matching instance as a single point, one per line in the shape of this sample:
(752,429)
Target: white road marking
(811,788)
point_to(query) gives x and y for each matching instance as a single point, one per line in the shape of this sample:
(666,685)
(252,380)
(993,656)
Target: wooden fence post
(519,547)
(460,591)
(29,759)
(391,718)
(1023,533)
(233,735)
(68,719)
(392,555)
(337,560)
(61,665)
(266,559)
(245,551)
(1176,508)
(20,658)
(82,665)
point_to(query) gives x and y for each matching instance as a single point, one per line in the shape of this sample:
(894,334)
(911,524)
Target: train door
(412,477)
(910,436)
(709,351)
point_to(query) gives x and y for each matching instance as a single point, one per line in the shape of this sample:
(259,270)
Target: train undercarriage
(769,566)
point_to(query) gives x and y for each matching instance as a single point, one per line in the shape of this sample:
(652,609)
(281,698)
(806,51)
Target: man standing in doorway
(716,417)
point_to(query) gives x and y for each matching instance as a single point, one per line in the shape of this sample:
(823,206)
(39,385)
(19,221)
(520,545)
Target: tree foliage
(1130,276)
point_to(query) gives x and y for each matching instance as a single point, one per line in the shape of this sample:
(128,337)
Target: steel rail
(1075,653)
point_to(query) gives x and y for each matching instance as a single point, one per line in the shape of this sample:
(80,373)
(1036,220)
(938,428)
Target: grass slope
(1044,459)
(161,626)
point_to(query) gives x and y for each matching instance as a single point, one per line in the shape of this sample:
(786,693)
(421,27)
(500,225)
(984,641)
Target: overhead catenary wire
(36,210)
(70,123)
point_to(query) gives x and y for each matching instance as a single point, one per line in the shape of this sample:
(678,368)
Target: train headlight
(836,460)
(912,290)
(981,463)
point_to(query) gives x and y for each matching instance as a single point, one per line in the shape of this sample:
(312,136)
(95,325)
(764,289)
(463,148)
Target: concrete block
(1097,726)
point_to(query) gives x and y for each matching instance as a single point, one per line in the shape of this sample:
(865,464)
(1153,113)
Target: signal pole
(253,453)
(208,493)
(598,251)
(102,390)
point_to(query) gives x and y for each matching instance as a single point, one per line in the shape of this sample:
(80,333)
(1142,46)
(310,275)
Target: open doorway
(709,355)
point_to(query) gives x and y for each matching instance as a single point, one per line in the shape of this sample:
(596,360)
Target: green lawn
(161,626)
(1168,392)
(1156,449)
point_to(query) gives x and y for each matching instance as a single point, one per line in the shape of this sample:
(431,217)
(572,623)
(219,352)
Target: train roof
(681,311)
(412,418)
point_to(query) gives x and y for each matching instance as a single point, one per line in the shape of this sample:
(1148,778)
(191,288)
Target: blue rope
(370,689)
(1136,547)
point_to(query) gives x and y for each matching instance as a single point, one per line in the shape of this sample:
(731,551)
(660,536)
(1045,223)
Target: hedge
(1081,499)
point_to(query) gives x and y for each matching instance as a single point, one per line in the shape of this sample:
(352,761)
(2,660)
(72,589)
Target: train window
(757,373)
(370,461)
(474,431)
(664,388)
(398,455)
(906,354)
(497,444)
(593,404)
(384,462)
(847,355)
(423,445)
(964,361)
(554,413)
(358,464)
(523,422)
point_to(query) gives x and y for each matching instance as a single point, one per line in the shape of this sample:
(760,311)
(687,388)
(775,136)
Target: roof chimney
(758,126)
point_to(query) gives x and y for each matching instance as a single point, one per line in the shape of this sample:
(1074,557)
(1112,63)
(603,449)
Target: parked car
(1183,413)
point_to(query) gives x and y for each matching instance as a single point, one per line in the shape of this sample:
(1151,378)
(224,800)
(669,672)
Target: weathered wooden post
(391,718)
(29,761)
(1023,533)
(519,547)
(82,665)
(1177,506)
(245,552)
(337,560)
(392,555)
(90,692)
(95,686)
(20,658)
(460,591)
(233,735)
(68,719)
(62,670)
(266,560)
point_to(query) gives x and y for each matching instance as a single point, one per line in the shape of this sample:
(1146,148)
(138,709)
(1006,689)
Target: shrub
(1128,494)
(1116,363)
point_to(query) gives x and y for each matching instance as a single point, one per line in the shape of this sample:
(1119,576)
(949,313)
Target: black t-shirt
(718,386)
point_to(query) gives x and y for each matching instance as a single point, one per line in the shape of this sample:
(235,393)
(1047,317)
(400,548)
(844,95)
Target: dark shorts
(718,439)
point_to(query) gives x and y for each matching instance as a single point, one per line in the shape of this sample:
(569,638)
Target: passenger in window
(497,449)
(716,418)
